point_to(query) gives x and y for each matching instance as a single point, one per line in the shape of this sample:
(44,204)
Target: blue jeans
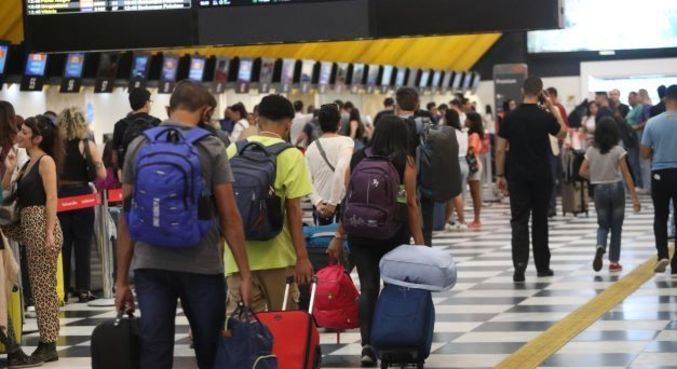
(610,205)
(203,298)
(633,158)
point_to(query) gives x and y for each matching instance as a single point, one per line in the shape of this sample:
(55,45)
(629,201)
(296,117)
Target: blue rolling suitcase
(403,327)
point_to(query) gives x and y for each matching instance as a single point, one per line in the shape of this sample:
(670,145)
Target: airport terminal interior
(176,157)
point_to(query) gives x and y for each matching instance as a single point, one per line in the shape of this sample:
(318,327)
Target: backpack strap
(324,155)
(278,148)
(194,135)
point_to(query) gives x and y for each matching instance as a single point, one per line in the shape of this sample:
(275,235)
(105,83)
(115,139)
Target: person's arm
(302,137)
(414,217)
(124,299)
(47,170)
(554,110)
(501,149)
(585,169)
(647,143)
(339,177)
(646,151)
(315,197)
(636,205)
(10,166)
(304,269)
(96,159)
(233,232)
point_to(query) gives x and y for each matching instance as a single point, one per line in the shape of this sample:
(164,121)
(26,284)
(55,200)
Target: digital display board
(221,70)
(358,74)
(401,77)
(307,68)
(170,66)
(437,78)
(228,3)
(325,73)
(288,68)
(108,66)
(244,73)
(457,82)
(140,66)
(372,76)
(75,63)
(266,75)
(446,81)
(4,50)
(36,63)
(424,82)
(51,7)
(197,68)
(387,76)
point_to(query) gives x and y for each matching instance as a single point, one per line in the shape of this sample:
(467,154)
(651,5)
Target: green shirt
(291,182)
(635,114)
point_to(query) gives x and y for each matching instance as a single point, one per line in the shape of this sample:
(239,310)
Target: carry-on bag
(404,322)
(246,343)
(419,267)
(115,344)
(575,198)
(296,341)
(337,299)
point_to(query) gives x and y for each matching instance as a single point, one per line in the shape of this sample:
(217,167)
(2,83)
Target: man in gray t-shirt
(194,274)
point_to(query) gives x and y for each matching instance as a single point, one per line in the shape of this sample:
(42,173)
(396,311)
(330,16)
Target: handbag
(9,208)
(91,165)
(246,343)
(473,163)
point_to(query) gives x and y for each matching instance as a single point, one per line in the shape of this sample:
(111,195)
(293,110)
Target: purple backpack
(371,206)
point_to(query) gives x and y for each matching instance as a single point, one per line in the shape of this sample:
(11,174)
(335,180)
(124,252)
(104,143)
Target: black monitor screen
(197,68)
(4,50)
(244,73)
(387,76)
(267,70)
(140,65)
(108,66)
(342,74)
(221,70)
(36,63)
(52,7)
(325,73)
(74,64)
(170,65)
(358,74)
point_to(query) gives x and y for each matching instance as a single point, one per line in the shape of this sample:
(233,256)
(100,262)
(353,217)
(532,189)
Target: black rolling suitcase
(115,344)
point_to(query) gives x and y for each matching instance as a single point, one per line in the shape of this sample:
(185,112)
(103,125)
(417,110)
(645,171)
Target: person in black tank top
(390,139)
(77,225)
(39,229)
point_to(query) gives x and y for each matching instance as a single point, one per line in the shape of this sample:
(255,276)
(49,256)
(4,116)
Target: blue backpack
(255,168)
(171,204)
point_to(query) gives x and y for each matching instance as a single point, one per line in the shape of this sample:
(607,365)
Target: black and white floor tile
(486,316)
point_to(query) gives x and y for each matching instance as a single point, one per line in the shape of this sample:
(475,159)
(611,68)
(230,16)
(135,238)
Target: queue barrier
(100,201)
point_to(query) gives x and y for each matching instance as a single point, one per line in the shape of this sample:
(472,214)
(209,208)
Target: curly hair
(72,124)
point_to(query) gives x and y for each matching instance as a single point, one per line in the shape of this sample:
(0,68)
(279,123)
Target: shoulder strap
(278,148)
(153,134)
(87,152)
(194,135)
(324,154)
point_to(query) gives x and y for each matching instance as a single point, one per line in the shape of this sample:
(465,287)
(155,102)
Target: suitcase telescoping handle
(313,290)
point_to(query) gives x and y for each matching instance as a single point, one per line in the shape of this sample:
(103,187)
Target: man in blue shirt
(658,143)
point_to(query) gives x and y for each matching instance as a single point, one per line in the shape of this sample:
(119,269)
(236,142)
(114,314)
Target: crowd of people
(52,156)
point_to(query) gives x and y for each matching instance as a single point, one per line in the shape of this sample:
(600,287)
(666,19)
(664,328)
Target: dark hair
(339,103)
(298,106)
(329,118)
(348,106)
(138,97)
(276,108)
(451,118)
(488,109)
(533,86)
(391,139)
(506,105)
(240,109)
(552,91)
(587,109)
(188,95)
(430,106)
(443,107)
(407,98)
(475,124)
(8,129)
(633,93)
(606,134)
(671,92)
(107,156)
(356,116)
(661,91)
(388,102)
(51,143)
(456,103)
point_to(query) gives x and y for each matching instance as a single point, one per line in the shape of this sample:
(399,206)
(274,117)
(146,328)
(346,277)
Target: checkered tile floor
(486,316)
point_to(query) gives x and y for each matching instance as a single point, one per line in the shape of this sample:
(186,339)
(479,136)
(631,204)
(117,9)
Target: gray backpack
(439,175)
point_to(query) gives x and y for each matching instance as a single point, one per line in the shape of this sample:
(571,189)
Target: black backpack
(134,127)
(439,176)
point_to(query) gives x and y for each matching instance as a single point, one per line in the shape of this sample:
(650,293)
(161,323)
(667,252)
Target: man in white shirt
(297,136)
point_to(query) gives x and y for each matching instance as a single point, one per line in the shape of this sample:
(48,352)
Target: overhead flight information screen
(50,7)
(255,2)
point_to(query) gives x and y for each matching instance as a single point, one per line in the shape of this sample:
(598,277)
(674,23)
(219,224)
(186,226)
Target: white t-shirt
(240,126)
(329,186)
(462,138)
(297,125)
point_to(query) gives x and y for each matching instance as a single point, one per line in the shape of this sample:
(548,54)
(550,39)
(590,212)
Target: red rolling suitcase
(296,342)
